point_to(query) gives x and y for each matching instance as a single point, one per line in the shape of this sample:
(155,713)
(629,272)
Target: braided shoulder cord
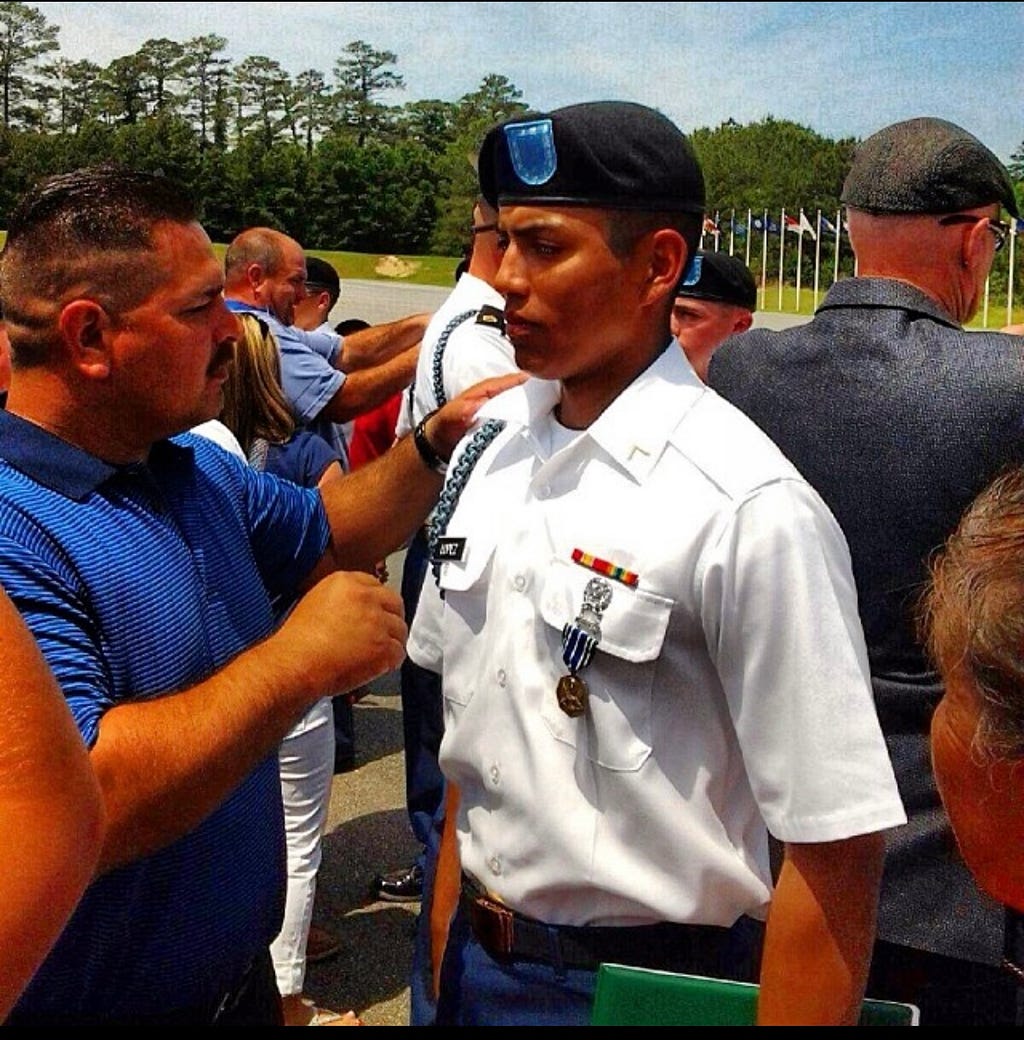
(439,349)
(454,487)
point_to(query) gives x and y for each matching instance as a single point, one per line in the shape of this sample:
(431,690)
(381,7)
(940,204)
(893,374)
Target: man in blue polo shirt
(144,564)
(328,379)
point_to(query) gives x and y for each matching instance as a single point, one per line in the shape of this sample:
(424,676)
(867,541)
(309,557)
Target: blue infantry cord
(442,342)
(454,486)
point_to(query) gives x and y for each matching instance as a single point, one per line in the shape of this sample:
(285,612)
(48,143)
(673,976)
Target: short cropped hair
(347,326)
(80,234)
(322,274)
(973,612)
(627,227)
(258,245)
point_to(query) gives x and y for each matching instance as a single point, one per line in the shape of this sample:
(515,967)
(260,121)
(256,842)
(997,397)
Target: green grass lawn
(415,270)
(998,312)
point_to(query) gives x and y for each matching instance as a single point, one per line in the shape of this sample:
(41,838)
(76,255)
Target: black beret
(926,165)
(607,154)
(719,277)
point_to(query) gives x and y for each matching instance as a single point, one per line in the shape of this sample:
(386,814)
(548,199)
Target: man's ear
(667,258)
(975,251)
(255,277)
(744,319)
(84,325)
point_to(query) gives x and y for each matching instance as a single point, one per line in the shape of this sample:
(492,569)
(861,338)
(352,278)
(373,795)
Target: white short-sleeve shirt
(729,692)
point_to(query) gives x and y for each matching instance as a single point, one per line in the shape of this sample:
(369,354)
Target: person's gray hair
(973,612)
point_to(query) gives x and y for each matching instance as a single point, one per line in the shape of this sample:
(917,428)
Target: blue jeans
(478,990)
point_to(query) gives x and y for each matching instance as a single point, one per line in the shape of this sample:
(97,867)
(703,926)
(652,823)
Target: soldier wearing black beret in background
(715,300)
(648,634)
(899,417)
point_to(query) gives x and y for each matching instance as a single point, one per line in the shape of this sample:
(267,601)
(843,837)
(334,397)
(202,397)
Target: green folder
(628,996)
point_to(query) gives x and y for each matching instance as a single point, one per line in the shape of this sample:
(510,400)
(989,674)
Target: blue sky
(843,69)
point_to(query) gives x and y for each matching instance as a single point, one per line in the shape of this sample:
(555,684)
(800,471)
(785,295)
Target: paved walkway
(385,301)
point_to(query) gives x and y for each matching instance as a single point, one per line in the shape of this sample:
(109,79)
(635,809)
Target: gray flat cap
(926,165)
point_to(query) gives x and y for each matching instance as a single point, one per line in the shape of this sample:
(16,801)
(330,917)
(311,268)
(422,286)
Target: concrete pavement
(385,301)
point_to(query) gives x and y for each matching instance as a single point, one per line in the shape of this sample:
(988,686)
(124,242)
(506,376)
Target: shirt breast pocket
(615,731)
(463,583)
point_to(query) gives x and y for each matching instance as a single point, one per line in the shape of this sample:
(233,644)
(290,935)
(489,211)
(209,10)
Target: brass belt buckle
(494,927)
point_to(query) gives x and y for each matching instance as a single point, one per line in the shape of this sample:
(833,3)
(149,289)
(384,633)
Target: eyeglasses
(999,228)
(482,229)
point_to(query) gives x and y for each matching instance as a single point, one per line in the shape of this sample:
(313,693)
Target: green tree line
(331,158)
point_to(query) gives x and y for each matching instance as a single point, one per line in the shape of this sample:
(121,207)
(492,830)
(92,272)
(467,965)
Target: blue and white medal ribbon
(579,641)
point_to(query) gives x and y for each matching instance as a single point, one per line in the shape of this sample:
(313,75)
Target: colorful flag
(805,225)
(762,223)
(710,227)
(826,226)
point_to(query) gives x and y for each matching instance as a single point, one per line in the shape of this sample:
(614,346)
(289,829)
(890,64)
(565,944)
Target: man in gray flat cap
(715,300)
(899,417)
(648,634)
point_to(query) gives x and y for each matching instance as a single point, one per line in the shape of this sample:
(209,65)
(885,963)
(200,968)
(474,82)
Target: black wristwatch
(426,449)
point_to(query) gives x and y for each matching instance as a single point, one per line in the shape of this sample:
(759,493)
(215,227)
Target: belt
(508,936)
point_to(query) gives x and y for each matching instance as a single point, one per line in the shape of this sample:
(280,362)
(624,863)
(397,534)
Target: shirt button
(495,775)
(543,491)
(502,677)
(519,582)
(495,865)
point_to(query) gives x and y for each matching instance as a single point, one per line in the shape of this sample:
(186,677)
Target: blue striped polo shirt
(137,581)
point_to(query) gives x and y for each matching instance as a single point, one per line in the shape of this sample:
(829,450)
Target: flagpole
(718,232)
(799,258)
(732,230)
(817,259)
(839,231)
(750,232)
(764,265)
(984,307)
(782,252)
(1009,280)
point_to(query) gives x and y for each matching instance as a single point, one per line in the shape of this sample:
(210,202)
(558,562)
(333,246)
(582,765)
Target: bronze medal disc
(572,695)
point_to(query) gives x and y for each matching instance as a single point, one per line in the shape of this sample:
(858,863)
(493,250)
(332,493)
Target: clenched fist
(345,631)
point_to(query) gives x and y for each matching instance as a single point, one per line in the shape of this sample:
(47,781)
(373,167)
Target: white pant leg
(306,758)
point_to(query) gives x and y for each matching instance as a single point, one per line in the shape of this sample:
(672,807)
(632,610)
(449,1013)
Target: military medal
(579,640)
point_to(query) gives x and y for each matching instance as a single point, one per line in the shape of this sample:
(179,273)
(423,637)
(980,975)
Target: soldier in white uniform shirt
(651,649)
(465,340)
